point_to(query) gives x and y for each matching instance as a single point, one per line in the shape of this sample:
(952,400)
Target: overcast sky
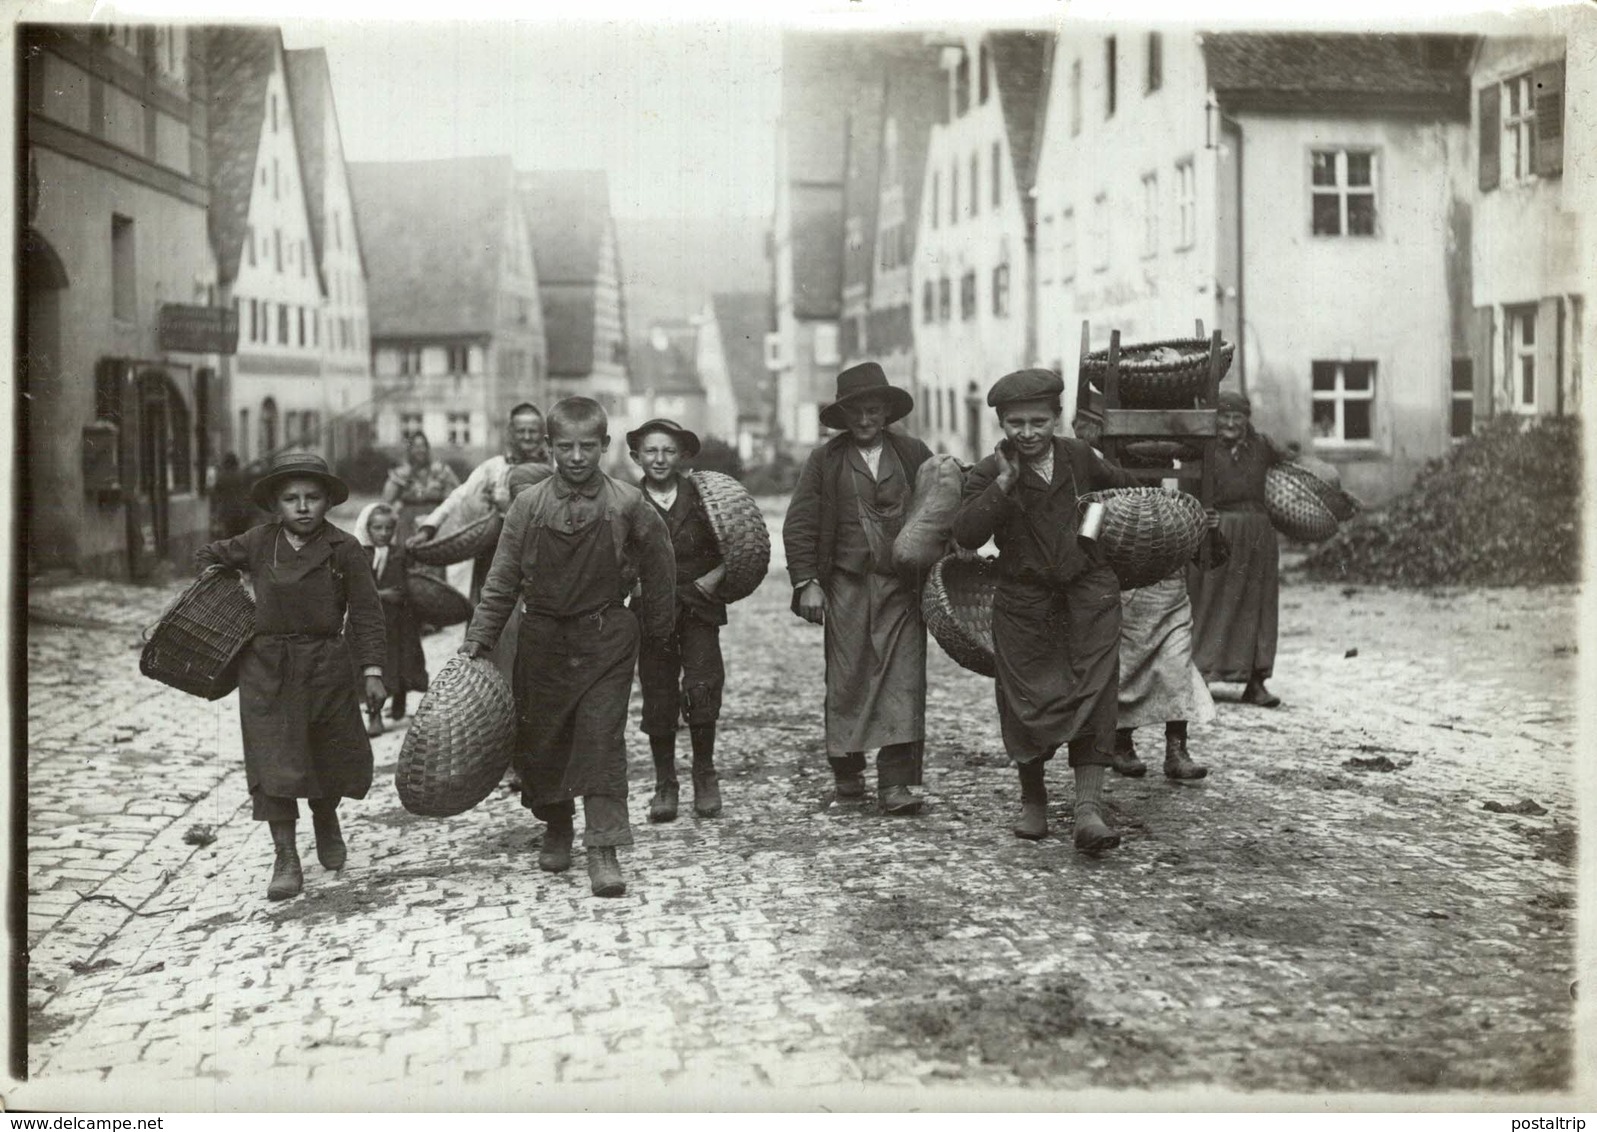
(682,116)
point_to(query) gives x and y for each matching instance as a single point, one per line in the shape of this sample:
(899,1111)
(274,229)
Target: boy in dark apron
(572,547)
(298,696)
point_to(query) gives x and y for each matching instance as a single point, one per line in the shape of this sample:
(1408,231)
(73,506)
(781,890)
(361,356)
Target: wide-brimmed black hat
(865,380)
(690,441)
(297,465)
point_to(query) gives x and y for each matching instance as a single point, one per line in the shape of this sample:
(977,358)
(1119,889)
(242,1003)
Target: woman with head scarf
(1235,607)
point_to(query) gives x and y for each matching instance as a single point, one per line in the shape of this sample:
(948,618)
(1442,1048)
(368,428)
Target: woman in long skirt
(1235,608)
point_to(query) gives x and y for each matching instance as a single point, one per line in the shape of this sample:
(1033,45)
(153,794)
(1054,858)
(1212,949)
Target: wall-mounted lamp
(1211,122)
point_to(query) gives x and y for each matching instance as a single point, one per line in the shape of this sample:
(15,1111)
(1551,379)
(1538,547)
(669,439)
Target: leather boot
(1093,834)
(850,785)
(1033,821)
(554,855)
(1125,761)
(287,877)
(706,792)
(330,848)
(663,806)
(1258,695)
(897,800)
(1176,763)
(604,871)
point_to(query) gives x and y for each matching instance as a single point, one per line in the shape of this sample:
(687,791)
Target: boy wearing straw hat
(298,700)
(682,675)
(847,508)
(1056,615)
(572,548)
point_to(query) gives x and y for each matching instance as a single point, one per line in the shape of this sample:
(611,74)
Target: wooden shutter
(1548,80)
(1485,402)
(1491,136)
(1549,327)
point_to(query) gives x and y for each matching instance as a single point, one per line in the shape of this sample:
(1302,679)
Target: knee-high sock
(1089,785)
(703,737)
(664,750)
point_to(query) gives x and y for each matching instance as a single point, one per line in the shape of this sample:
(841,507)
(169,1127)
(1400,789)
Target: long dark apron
(299,702)
(574,659)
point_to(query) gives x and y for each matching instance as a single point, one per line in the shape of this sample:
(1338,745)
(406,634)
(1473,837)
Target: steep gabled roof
(1023,61)
(568,212)
(309,96)
(743,318)
(239,63)
(1311,71)
(433,232)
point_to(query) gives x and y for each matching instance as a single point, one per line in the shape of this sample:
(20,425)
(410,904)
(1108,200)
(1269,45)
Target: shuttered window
(1490,126)
(1548,93)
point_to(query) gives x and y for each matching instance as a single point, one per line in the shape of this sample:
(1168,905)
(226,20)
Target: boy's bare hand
(471,650)
(1008,473)
(376,693)
(812,605)
(711,581)
(422,536)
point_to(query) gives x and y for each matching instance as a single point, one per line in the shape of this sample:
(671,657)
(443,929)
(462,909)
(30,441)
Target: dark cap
(1230,401)
(688,440)
(1026,385)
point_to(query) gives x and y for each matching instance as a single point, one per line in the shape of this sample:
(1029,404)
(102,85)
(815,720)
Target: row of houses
(1389,226)
(205,274)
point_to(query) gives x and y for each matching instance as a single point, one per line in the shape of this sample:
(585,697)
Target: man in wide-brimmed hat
(846,510)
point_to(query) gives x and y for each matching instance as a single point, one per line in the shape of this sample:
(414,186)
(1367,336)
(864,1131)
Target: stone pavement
(1295,923)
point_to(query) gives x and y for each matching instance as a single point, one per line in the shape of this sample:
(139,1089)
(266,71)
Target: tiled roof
(239,63)
(1308,71)
(1022,61)
(309,97)
(568,326)
(433,232)
(743,318)
(568,212)
(666,361)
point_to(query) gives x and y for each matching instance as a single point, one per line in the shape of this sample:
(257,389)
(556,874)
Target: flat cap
(1026,385)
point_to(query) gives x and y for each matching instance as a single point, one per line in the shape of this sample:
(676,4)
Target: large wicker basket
(462,545)
(740,533)
(1326,482)
(957,606)
(1148,532)
(1294,498)
(458,746)
(1169,374)
(195,645)
(435,602)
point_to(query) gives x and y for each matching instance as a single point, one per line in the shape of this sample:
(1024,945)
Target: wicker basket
(461,546)
(1151,379)
(957,606)
(458,746)
(1326,482)
(195,645)
(1294,498)
(434,601)
(1148,532)
(740,533)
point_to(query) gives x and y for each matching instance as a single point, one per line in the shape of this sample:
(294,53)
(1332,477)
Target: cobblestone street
(1331,910)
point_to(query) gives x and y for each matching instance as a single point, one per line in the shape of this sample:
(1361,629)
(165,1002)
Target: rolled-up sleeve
(657,570)
(475,482)
(502,587)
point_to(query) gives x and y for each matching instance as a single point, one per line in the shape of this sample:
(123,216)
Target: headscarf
(1232,401)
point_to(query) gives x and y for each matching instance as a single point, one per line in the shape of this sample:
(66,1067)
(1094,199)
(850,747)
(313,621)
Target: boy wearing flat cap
(1056,615)
(682,675)
(846,510)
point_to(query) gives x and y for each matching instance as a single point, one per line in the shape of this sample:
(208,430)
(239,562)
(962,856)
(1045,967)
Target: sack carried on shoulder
(929,527)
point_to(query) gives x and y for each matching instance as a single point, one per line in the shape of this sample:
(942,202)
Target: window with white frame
(1150,214)
(1001,291)
(967,295)
(998,173)
(944,299)
(459,429)
(1343,191)
(937,198)
(975,183)
(409,425)
(1100,232)
(1344,402)
(1067,245)
(953,192)
(1462,420)
(826,353)
(928,302)
(1522,357)
(458,359)
(1186,204)
(1518,151)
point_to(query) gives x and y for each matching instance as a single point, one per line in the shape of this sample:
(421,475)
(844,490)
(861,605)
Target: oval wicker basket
(462,545)
(1148,381)
(434,601)
(1293,497)
(740,533)
(459,742)
(1326,482)
(195,645)
(957,606)
(1148,532)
